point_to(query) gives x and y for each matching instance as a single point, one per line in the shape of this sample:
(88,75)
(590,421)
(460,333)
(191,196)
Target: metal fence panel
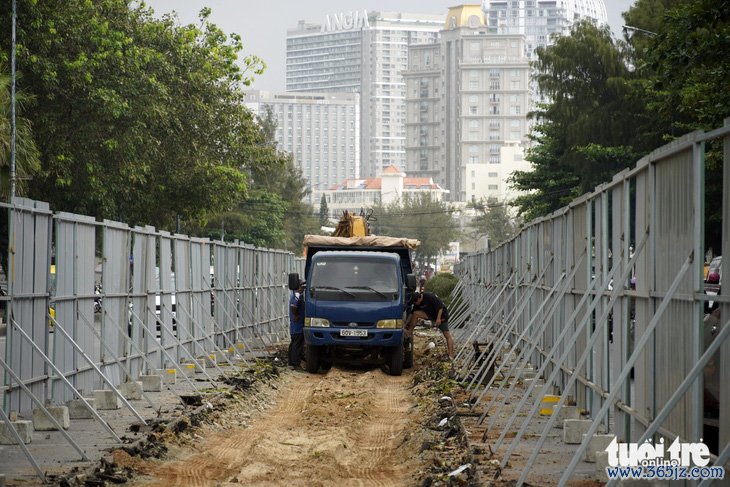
(28,281)
(115,282)
(628,335)
(144,259)
(73,301)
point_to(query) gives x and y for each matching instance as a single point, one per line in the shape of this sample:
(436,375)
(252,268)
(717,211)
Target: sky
(262,26)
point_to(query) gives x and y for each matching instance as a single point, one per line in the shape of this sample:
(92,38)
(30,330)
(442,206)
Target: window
(493,187)
(473,160)
(473,149)
(515,110)
(493,175)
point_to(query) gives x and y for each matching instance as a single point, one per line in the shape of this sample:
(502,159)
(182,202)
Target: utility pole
(12,108)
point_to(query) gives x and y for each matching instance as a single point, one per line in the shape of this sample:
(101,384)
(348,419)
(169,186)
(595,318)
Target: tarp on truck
(368,241)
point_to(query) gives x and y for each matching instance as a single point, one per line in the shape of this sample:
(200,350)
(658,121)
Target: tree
(274,213)
(694,40)
(323,212)
(594,125)
(421,217)
(136,119)
(494,221)
(26,156)
(27,160)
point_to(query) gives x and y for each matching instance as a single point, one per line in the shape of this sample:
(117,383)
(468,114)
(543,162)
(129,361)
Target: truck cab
(355,299)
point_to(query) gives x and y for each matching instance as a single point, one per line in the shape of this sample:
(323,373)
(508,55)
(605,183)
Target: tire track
(342,428)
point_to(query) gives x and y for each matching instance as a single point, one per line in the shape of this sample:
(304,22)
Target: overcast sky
(262,25)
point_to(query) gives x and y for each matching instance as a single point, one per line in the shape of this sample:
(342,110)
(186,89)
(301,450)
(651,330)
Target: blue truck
(356,295)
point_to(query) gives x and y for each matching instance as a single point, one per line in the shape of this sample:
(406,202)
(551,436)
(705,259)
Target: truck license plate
(353,333)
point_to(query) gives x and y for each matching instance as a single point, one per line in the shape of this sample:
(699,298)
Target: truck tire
(395,360)
(312,356)
(408,354)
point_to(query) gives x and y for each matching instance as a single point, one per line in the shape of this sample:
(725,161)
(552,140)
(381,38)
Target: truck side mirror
(293,281)
(411,282)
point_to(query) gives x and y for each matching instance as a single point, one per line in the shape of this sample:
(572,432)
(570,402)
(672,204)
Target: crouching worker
(296,326)
(427,306)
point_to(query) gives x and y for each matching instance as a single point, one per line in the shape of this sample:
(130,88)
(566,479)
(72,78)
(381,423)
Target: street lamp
(628,28)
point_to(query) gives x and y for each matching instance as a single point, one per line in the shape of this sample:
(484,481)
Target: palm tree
(27,156)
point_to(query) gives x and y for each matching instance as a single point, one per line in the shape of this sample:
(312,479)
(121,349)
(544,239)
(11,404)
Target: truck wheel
(312,356)
(408,354)
(395,360)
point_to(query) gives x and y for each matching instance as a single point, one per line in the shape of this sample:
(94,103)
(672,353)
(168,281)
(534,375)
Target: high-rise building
(467,99)
(320,130)
(537,20)
(364,53)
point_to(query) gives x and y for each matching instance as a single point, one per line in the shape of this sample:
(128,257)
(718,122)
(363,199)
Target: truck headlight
(316,322)
(389,324)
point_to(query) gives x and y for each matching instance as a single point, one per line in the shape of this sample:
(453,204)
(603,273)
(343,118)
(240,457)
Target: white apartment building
(391,185)
(320,130)
(467,99)
(537,20)
(362,52)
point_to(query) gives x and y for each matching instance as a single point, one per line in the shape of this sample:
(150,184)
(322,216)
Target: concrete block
(78,410)
(104,399)
(221,357)
(210,360)
(574,429)
(601,458)
(598,443)
(529,373)
(192,368)
(23,427)
(566,412)
(131,391)
(151,383)
(188,369)
(59,413)
(169,376)
(539,384)
(546,404)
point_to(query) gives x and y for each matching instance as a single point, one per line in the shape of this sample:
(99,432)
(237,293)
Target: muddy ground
(273,426)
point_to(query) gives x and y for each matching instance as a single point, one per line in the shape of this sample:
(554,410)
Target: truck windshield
(377,277)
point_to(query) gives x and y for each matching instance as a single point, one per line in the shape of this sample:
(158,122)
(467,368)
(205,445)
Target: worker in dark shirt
(296,327)
(427,306)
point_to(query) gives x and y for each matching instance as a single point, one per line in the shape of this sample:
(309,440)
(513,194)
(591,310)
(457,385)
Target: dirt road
(346,427)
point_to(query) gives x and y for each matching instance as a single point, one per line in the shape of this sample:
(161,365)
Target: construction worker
(296,327)
(427,306)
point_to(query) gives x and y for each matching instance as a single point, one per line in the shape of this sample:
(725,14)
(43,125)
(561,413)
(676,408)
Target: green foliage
(493,221)
(27,161)
(694,40)
(273,214)
(595,124)
(323,212)
(441,285)
(136,119)
(420,217)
